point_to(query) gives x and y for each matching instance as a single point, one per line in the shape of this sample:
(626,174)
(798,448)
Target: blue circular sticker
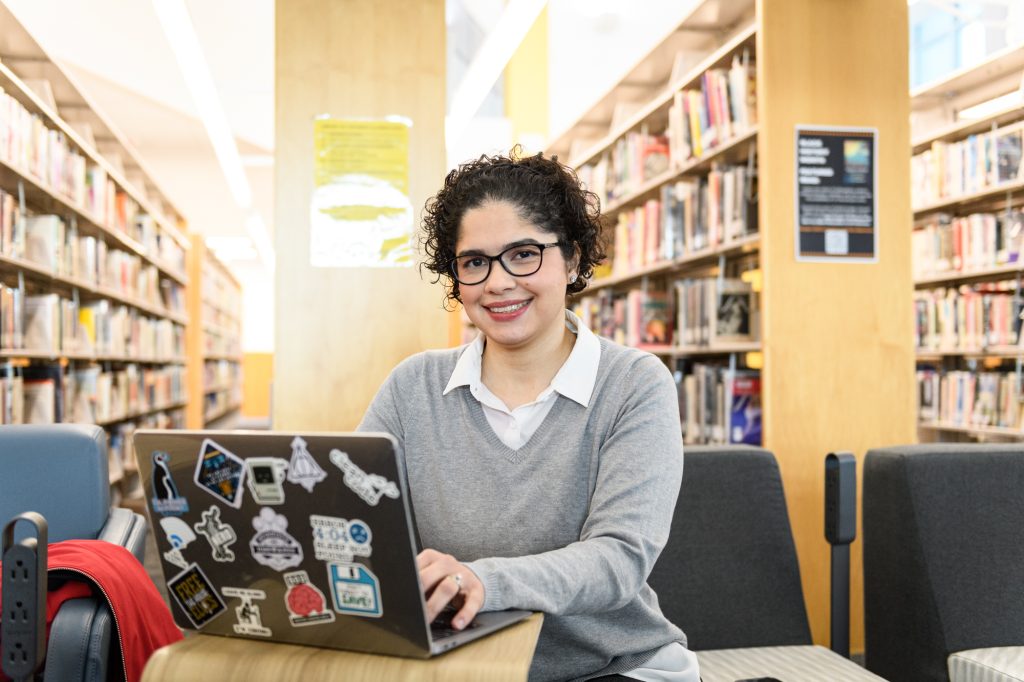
(359,533)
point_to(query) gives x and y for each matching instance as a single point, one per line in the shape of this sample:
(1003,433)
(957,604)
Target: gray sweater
(571,523)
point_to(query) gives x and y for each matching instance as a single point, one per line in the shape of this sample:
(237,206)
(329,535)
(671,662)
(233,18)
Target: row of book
(220,373)
(51,323)
(45,240)
(979,162)
(691,216)
(972,242)
(718,405)
(699,120)
(723,107)
(969,317)
(970,399)
(50,393)
(707,312)
(44,154)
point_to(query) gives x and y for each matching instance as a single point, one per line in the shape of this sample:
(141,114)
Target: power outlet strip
(23,626)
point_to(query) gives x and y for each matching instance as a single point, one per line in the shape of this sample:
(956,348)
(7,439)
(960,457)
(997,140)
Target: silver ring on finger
(457,577)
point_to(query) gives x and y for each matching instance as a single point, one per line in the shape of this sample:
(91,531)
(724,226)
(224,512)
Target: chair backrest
(58,470)
(943,555)
(729,575)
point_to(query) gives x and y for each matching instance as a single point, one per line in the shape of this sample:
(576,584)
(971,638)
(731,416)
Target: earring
(572,278)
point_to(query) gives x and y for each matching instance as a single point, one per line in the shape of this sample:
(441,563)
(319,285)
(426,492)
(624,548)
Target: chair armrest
(79,644)
(127,529)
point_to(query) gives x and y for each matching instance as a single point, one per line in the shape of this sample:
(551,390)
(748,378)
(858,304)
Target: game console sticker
(305,602)
(355,590)
(337,539)
(166,500)
(370,487)
(248,614)
(266,479)
(303,469)
(180,536)
(272,545)
(219,534)
(194,593)
(220,473)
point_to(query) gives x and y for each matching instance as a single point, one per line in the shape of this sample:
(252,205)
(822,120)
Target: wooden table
(503,656)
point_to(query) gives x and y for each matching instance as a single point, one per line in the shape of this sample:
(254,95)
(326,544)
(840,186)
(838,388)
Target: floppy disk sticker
(355,590)
(370,487)
(248,614)
(303,469)
(305,602)
(220,473)
(219,534)
(179,536)
(337,539)
(266,479)
(166,500)
(272,545)
(196,596)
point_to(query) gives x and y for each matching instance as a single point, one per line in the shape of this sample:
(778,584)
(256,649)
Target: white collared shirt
(574,380)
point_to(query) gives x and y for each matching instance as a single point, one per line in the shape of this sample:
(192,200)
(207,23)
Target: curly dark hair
(544,191)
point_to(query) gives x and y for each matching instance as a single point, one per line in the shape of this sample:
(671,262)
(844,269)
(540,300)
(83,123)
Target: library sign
(836,194)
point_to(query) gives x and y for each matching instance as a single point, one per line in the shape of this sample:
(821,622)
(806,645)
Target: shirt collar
(575,379)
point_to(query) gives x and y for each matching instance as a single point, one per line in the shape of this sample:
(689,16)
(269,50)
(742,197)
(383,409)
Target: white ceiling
(117,51)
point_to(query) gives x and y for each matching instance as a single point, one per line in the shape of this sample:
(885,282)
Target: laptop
(298,538)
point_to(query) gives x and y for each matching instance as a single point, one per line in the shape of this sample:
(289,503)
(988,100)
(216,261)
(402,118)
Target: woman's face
(512,312)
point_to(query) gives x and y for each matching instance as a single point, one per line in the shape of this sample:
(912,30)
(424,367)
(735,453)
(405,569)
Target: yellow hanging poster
(360,214)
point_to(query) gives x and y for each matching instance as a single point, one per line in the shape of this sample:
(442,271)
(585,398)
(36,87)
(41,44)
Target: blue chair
(60,471)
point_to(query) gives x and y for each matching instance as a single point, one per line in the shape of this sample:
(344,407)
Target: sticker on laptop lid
(220,473)
(306,603)
(370,487)
(180,536)
(272,545)
(166,500)
(303,469)
(248,614)
(337,539)
(219,534)
(196,596)
(266,478)
(355,590)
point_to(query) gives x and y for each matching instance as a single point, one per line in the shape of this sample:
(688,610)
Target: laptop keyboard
(442,625)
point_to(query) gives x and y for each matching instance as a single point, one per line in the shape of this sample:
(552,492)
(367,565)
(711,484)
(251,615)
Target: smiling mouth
(508,308)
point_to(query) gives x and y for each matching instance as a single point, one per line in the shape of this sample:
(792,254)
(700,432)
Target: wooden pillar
(839,356)
(340,331)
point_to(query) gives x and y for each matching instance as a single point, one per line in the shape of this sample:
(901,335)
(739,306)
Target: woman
(543,462)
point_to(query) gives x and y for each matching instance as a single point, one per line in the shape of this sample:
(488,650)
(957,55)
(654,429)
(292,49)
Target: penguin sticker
(166,500)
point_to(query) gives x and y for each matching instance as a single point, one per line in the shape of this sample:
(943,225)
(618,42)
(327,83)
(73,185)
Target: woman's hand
(441,586)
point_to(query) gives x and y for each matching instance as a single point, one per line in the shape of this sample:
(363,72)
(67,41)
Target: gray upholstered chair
(60,471)
(729,575)
(944,562)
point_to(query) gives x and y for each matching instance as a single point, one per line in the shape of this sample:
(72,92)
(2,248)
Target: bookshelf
(214,339)
(968,269)
(92,265)
(826,335)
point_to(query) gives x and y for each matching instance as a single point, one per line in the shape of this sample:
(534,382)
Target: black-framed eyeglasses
(518,261)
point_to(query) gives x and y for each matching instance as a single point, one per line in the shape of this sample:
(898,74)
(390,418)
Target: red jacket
(143,621)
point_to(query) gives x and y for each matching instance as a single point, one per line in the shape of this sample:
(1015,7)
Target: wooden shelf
(1005,62)
(221,413)
(729,151)
(26,354)
(143,413)
(964,201)
(218,388)
(975,275)
(972,430)
(718,349)
(747,244)
(992,352)
(958,131)
(660,104)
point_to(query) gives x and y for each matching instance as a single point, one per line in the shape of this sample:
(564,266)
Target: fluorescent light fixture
(181,35)
(260,236)
(992,106)
(490,61)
